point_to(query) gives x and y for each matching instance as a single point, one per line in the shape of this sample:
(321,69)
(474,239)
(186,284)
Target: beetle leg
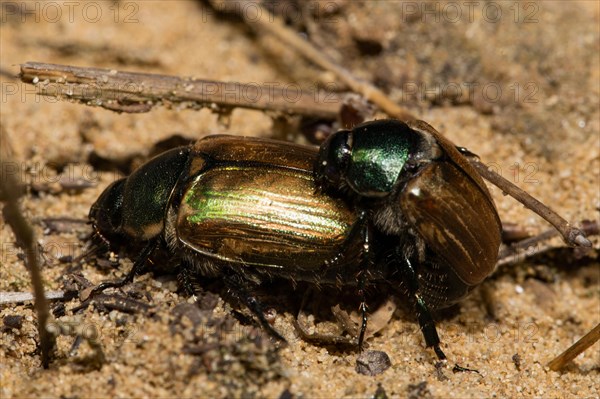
(238,285)
(426,322)
(367,263)
(427,325)
(362,227)
(185,280)
(138,265)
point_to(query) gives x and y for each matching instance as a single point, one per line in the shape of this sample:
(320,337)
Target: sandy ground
(530,105)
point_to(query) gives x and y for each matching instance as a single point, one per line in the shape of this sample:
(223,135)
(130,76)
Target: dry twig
(571,235)
(134,92)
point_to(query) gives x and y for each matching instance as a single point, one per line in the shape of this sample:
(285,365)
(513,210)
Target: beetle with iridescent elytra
(386,203)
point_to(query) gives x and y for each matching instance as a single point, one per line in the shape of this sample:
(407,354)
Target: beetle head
(372,158)
(106,213)
(134,208)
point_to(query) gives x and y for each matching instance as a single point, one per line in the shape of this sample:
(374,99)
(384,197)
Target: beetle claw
(438,351)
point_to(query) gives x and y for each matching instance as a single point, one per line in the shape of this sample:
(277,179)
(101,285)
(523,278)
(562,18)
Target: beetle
(416,193)
(385,203)
(243,209)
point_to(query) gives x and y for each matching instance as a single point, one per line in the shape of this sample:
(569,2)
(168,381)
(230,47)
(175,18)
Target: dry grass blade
(9,193)
(574,350)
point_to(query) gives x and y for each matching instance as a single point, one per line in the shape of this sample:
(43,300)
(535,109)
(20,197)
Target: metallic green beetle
(384,203)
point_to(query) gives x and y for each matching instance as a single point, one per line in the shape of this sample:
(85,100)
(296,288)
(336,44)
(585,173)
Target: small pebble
(372,363)
(519,289)
(13,321)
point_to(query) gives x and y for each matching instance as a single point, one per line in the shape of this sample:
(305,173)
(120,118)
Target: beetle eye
(334,156)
